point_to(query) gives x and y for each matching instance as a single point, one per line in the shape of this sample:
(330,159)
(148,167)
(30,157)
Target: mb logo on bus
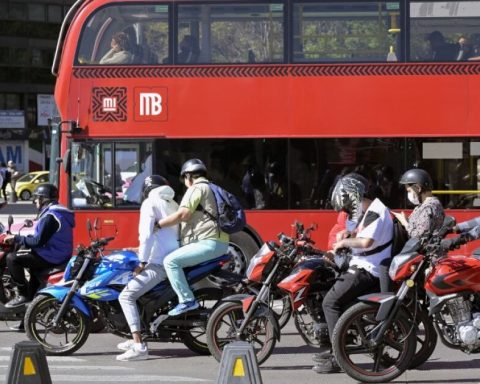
(151,104)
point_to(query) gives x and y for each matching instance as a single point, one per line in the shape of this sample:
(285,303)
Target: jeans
(137,287)
(188,256)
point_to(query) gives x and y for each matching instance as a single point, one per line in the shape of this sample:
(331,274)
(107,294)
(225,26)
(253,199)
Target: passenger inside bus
(189,50)
(441,49)
(120,50)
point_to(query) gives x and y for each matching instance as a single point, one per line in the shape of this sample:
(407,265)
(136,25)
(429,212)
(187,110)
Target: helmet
(45,193)
(152,182)
(348,194)
(417,176)
(193,166)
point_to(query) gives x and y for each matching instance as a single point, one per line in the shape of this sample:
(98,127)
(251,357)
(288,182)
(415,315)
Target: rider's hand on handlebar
(9,239)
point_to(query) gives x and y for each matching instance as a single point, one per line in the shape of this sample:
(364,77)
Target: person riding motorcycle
(200,236)
(154,246)
(428,214)
(370,227)
(50,245)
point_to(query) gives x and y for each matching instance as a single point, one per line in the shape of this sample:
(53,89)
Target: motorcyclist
(154,246)
(200,236)
(428,214)
(50,245)
(370,226)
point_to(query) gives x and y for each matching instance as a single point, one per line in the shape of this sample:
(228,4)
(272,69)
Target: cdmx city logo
(113,104)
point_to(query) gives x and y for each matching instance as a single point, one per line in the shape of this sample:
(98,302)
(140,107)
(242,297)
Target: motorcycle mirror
(89,228)
(27,223)
(10,221)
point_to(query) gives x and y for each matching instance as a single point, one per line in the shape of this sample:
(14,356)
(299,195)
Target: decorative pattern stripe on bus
(447,69)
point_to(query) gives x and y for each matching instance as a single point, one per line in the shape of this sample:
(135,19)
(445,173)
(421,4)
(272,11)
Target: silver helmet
(348,195)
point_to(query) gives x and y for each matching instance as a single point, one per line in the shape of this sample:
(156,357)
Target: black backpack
(400,237)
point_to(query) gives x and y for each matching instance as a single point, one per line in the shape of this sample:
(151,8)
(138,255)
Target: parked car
(27,183)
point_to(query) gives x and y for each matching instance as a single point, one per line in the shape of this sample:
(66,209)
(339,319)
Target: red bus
(277,97)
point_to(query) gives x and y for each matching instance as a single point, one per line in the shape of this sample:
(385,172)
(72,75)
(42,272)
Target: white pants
(137,287)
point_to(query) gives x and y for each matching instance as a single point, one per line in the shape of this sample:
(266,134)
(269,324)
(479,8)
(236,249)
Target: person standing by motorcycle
(200,236)
(428,214)
(371,228)
(154,246)
(49,246)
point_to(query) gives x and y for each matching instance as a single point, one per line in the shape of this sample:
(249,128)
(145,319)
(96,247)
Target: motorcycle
(296,268)
(375,339)
(250,317)
(59,318)
(7,286)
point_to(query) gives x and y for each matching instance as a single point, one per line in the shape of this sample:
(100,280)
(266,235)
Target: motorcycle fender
(384,300)
(60,293)
(264,310)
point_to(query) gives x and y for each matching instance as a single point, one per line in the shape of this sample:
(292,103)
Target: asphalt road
(174,363)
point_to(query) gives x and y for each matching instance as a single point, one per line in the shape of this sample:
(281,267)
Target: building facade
(28,36)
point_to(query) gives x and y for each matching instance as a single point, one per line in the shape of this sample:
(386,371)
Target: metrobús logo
(151,104)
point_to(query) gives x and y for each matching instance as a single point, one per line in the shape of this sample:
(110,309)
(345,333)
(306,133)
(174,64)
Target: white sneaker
(125,345)
(133,355)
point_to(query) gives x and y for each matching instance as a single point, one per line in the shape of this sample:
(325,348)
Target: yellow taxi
(26,184)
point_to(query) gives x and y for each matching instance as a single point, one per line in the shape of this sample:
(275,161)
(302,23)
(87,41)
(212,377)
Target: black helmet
(193,166)
(45,193)
(348,195)
(417,176)
(152,182)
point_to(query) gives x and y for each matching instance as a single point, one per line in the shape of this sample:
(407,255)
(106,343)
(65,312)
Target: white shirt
(156,243)
(377,225)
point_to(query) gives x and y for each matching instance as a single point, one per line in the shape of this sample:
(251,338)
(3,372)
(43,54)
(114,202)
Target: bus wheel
(242,247)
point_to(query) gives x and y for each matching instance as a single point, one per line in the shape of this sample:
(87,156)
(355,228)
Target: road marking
(132,378)
(52,358)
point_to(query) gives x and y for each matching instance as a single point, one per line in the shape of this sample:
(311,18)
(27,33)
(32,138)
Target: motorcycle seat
(42,273)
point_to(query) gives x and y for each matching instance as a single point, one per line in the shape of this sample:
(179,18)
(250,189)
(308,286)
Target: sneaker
(125,345)
(20,327)
(327,366)
(319,357)
(184,307)
(133,354)
(17,301)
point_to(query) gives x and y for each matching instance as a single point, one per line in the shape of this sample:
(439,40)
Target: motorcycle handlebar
(451,244)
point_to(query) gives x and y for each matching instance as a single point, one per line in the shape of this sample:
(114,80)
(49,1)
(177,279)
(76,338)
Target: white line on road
(84,367)
(57,359)
(132,378)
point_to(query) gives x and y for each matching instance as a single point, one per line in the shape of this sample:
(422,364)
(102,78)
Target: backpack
(400,237)
(231,217)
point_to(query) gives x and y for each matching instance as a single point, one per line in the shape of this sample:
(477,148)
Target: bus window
(99,180)
(125,34)
(445,31)
(346,31)
(230,33)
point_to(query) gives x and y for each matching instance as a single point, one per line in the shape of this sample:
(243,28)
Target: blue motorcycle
(61,316)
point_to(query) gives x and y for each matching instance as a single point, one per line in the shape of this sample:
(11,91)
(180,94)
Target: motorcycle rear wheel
(226,319)
(365,362)
(64,339)
(195,338)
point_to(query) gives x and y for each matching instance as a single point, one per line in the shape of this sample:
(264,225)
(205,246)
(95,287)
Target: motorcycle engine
(466,324)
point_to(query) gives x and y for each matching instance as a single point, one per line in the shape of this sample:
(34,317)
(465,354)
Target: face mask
(413,198)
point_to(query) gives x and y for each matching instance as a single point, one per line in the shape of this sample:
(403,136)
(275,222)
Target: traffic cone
(239,365)
(28,364)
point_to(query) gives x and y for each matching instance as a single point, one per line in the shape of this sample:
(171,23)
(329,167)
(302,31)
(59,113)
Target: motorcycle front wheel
(63,339)
(365,362)
(224,323)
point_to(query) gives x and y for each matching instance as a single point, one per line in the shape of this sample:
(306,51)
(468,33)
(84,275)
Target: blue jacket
(53,236)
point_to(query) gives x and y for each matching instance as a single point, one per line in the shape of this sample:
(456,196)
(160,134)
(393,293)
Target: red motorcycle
(250,317)
(375,340)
